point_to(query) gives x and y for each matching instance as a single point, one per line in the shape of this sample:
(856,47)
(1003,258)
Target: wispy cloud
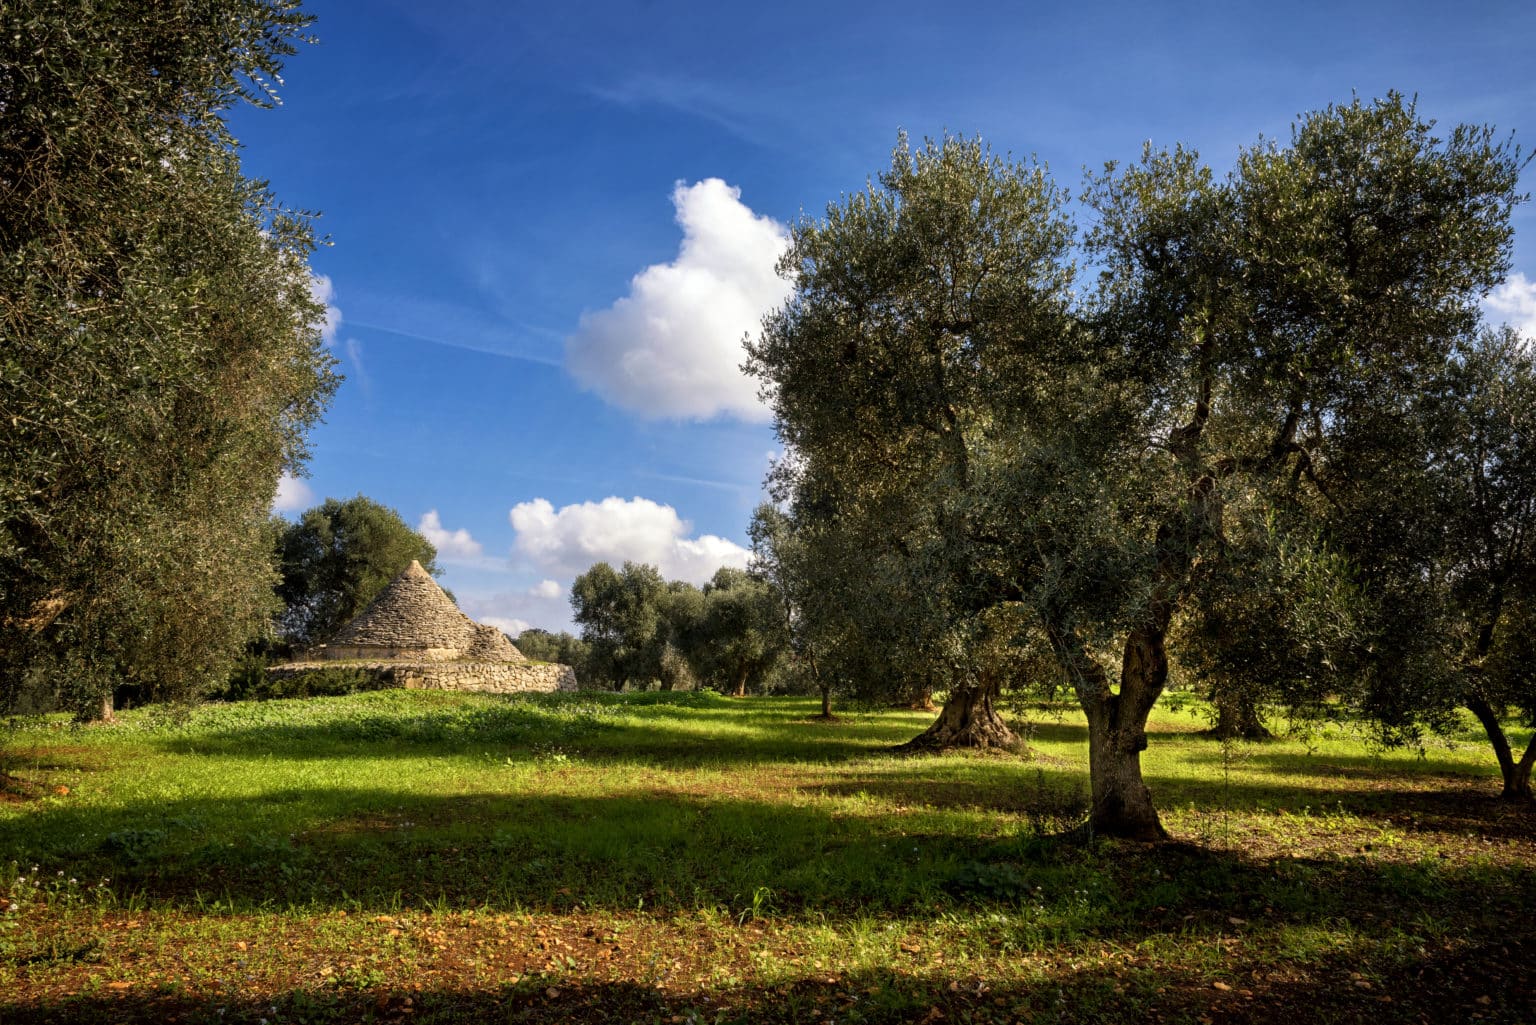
(466,343)
(734,487)
(708,101)
(358,368)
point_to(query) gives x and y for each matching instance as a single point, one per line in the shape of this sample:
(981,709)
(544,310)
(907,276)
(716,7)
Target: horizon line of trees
(639,628)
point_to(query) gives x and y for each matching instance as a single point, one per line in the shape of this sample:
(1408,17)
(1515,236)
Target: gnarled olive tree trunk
(968,719)
(1237,718)
(922,697)
(1117,730)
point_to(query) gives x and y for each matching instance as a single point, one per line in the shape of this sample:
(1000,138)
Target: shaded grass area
(691,857)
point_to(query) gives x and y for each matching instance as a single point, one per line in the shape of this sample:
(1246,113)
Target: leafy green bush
(251,682)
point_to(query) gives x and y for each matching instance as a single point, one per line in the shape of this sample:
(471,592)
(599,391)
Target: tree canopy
(162,359)
(1083,465)
(639,628)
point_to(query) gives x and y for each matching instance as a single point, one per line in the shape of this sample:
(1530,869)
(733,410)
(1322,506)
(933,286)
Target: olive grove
(1088,461)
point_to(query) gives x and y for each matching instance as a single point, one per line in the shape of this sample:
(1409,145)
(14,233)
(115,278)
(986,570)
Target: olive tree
(780,559)
(1079,460)
(162,360)
(564,648)
(1448,556)
(1491,480)
(911,300)
(741,633)
(620,613)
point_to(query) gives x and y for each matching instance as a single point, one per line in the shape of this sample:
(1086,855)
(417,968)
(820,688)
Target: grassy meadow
(436,857)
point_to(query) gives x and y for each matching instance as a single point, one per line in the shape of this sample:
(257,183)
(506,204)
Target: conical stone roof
(413,618)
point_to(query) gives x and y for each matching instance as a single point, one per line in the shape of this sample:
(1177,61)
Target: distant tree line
(639,630)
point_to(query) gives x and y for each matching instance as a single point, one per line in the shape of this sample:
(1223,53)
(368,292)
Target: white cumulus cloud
(672,347)
(323,292)
(1514,303)
(569,540)
(450,544)
(292,494)
(546,589)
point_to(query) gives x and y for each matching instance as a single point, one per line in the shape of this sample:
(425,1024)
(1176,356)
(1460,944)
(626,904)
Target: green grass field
(428,857)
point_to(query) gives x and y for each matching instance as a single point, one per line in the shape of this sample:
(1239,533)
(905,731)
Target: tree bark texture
(922,699)
(1117,731)
(967,719)
(1516,774)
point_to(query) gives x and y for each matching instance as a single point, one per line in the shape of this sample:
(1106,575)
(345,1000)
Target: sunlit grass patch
(685,853)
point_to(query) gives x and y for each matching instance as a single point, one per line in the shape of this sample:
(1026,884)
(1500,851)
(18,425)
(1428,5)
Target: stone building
(415,636)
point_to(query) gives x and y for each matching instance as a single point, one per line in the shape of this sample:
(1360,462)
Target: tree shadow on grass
(1489,980)
(1395,764)
(366,850)
(1423,794)
(1021,788)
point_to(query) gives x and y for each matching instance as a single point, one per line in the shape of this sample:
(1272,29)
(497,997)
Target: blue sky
(551,223)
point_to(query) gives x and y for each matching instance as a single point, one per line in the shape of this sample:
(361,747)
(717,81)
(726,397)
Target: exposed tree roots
(966,720)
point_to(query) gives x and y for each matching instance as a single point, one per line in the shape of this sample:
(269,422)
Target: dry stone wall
(483,677)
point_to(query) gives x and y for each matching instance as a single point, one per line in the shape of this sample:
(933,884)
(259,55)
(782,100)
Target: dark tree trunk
(1517,775)
(966,720)
(823,685)
(1237,718)
(1122,804)
(1117,730)
(1117,735)
(922,700)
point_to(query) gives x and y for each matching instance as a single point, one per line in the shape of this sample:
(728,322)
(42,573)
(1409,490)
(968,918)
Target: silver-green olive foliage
(741,633)
(563,647)
(1079,455)
(621,618)
(160,360)
(909,297)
